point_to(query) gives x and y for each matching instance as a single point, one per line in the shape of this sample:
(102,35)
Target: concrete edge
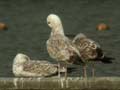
(109,83)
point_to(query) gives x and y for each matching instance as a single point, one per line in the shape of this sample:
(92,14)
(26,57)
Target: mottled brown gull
(23,66)
(59,46)
(89,50)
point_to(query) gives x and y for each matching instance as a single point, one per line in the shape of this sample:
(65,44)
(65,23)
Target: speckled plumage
(59,46)
(23,66)
(38,67)
(89,49)
(61,49)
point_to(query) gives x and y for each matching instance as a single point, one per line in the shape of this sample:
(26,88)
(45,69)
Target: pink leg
(65,71)
(59,70)
(93,69)
(84,71)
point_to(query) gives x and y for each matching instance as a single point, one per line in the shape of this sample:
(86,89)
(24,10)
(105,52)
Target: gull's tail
(101,57)
(106,60)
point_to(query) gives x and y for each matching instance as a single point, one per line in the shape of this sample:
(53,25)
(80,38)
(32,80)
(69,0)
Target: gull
(60,47)
(89,51)
(23,66)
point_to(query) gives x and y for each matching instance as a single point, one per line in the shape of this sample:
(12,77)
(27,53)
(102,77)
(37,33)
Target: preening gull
(23,66)
(59,46)
(89,50)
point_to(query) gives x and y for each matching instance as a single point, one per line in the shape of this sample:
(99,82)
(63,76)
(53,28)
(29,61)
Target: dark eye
(48,22)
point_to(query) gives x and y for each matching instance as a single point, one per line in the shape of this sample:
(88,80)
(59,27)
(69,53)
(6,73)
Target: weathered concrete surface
(101,83)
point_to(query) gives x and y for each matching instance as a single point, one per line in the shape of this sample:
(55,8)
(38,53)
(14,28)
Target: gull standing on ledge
(23,66)
(89,51)
(59,46)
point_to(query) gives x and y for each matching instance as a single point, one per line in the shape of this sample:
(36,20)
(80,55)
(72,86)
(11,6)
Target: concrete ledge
(101,83)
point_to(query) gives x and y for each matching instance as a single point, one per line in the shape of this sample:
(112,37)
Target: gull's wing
(61,48)
(38,68)
(88,48)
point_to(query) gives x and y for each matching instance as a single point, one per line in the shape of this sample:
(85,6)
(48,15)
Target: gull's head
(21,58)
(54,21)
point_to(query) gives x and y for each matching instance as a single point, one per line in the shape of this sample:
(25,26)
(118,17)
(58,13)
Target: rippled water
(28,30)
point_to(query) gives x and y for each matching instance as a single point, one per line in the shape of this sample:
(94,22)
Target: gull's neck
(58,30)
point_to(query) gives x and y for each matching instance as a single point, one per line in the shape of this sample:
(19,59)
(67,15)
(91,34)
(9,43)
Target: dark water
(28,30)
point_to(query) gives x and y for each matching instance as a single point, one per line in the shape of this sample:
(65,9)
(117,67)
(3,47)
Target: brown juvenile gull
(59,46)
(23,66)
(89,51)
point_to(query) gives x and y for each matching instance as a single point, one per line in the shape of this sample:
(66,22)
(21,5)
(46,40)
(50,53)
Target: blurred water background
(27,29)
